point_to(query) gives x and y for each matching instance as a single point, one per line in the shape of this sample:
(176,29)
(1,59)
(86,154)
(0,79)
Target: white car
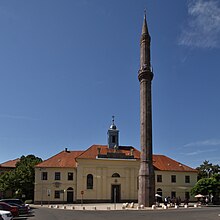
(5,215)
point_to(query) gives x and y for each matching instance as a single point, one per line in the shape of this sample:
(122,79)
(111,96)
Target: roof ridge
(63,151)
(89,149)
(49,158)
(9,161)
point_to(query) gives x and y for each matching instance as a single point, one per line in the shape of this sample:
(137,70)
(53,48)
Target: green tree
(207,169)
(208,186)
(21,179)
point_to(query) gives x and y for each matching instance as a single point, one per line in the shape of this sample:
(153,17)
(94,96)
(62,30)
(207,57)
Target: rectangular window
(173,194)
(57,194)
(187,179)
(113,139)
(187,195)
(159,178)
(44,176)
(70,176)
(173,178)
(57,175)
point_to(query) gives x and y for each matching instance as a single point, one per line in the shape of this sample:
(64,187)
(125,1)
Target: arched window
(159,191)
(159,195)
(89,181)
(115,175)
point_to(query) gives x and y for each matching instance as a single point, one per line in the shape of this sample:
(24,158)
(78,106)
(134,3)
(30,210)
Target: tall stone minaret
(146,192)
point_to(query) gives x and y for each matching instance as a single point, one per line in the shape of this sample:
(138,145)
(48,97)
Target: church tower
(146,192)
(113,135)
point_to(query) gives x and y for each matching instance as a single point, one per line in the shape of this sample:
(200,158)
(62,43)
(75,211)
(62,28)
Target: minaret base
(146,192)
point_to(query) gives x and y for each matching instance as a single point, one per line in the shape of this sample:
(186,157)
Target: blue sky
(67,66)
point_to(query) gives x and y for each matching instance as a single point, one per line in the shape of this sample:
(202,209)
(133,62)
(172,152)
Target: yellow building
(107,173)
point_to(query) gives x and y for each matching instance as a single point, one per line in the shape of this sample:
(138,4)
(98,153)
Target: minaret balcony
(145,74)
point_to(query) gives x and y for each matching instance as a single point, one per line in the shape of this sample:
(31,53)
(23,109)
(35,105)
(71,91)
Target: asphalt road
(206,213)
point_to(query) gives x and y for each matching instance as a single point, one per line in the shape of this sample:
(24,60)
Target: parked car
(7,207)
(5,215)
(22,208)
(17,201)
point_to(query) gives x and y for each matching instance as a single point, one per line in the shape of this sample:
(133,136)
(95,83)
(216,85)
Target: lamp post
(41,175)
(48,194)
(63,195)
(82,192)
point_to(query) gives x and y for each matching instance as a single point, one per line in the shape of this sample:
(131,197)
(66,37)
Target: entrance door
(69,196)
(116,193)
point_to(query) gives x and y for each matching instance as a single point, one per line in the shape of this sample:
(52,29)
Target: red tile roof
(165,163)
(10,163)
(92,152)
(160,162)
(62,159)
(69,158)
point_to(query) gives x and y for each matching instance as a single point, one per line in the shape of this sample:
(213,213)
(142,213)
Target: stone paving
(111,206)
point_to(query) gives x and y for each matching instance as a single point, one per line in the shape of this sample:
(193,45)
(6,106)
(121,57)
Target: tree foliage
(21,179)
(207,186)
(208,180)
(207,169)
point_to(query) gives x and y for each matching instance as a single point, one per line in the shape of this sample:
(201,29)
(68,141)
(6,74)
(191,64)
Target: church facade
(107,173)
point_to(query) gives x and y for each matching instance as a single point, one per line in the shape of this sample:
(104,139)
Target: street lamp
(41,202)
(48,194)
(41,174)
(63,195)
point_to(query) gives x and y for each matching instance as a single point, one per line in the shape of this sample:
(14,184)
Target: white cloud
(210,142)
(203,28)
(199,152)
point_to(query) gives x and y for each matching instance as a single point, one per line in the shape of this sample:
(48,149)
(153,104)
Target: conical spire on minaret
(144,26)
(145,58)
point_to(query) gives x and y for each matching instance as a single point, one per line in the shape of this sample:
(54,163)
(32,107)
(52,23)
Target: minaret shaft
(146,193)
(146,120)
(145,54)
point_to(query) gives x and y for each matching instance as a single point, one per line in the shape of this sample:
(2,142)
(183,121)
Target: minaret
(146,193)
